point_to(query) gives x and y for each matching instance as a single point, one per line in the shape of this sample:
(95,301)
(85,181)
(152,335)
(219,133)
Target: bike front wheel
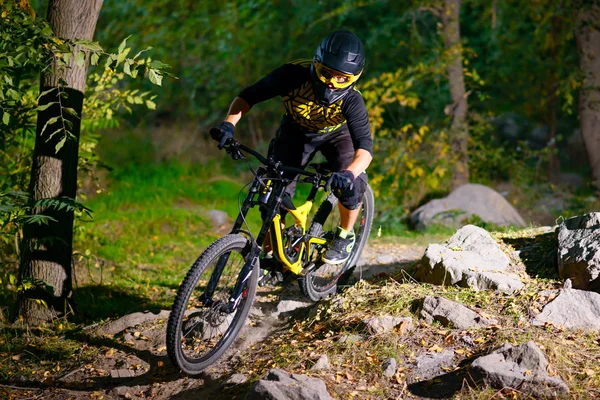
(321,278)
(201,326)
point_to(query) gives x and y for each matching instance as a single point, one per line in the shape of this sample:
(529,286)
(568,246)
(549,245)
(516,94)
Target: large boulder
(281,385)
(572,309)
(523,368)
(579,251)
(471,258)
(463,203)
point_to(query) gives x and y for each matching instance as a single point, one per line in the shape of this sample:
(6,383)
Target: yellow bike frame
(300,214)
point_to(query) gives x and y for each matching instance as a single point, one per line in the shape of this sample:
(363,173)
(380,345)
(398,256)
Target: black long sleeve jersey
(292,81)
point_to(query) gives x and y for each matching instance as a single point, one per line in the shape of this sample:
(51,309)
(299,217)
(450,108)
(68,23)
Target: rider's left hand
(340,181)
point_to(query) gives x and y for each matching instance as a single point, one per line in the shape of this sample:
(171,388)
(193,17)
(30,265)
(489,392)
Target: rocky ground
(385,336)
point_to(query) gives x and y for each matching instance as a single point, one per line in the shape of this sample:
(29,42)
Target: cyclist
(324,112)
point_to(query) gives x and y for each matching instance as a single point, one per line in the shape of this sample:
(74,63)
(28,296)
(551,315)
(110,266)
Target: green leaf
(80,58)
(122,55)
(123,44)
(5,118)
(130,99)
(86,44)
(151,105)
(94,58)
(71,111)
(127,66)
(54,133)
(13,94)
(46,106)
(60,144)
(51,121)
(155,77)
(141,52)
(158,65)
(110,59)
(45,92)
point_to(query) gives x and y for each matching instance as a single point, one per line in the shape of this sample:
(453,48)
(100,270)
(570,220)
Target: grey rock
(121,373)
(572,309)
(389,367)
(386,323)
(128,321)
(432,364)
(450,313)
(351,338)
(522,367)
(281,385)
(237,379)
(125,391)
(463,203)
(470,259)
(579,251)
(321,364)
(288,306)
(218,218)
(474,239)
(467,340)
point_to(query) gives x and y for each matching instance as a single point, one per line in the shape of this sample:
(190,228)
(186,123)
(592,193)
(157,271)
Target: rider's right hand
(223,133)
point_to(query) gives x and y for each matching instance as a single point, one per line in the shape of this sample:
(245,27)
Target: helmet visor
(339,80)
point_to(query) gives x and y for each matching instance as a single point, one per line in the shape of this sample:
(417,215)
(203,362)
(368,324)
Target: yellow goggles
(337,79)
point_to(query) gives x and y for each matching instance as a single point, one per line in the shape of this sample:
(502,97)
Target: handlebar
(234,149)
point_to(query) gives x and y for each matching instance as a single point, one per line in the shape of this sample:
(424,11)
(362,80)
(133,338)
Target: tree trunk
(459,131)
(588,41)
(47,249)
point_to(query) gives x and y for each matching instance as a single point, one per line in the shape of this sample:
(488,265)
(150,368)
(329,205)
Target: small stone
(352,338)
(389,367)
(431,364)
(321,364)
(237,379)
(386,323)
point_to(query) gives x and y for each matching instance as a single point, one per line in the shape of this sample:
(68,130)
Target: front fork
(253,251)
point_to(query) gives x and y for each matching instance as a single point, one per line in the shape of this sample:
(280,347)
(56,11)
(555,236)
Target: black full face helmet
(338,63)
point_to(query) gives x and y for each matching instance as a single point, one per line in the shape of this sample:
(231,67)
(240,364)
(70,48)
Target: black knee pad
(351,199)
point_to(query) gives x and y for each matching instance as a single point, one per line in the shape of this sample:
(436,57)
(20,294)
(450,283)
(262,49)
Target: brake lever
(234,150)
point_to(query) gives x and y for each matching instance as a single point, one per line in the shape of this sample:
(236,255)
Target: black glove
(340,181)
(223,133)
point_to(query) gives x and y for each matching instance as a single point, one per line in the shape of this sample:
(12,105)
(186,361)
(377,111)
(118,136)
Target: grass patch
(148,228)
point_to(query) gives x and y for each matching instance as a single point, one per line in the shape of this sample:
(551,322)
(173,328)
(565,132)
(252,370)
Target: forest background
(148,171)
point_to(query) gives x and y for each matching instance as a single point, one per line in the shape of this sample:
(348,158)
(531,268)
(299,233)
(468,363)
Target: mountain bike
(215,297)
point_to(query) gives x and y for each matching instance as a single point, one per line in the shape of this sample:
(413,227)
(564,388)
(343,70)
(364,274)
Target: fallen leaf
(435,348)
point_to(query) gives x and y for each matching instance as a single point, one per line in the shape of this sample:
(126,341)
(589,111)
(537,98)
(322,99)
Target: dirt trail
(136,364)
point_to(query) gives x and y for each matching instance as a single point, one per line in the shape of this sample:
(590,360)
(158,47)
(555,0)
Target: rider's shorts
(295,148)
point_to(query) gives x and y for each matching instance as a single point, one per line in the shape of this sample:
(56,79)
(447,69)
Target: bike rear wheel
(321,279)
(200,327)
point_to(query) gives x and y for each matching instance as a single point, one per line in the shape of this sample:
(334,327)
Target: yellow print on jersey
(301,104)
